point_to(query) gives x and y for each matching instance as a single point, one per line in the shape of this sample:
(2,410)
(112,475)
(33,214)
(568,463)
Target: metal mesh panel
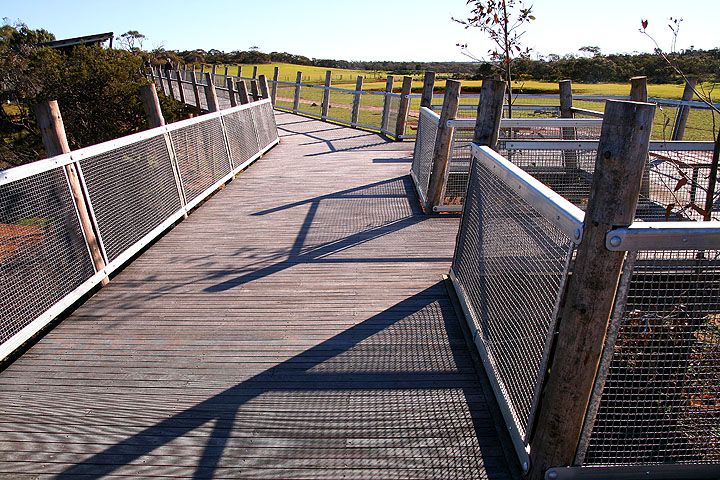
(132,190)
(549,133)
(43,256)
(393,111)
(661,400)
(510,262)
(310,100)
(458,170)
(340,106)
(241,136)
(678,185)
(264,118)
(201,156)
(424,148)
(371,109)
(285,96)
(223,96)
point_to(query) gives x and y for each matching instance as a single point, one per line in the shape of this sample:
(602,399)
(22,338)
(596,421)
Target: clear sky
(419,30)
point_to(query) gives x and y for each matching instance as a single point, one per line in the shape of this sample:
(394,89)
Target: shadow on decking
(360,361)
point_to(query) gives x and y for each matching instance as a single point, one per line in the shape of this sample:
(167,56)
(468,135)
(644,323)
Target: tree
(590,50)
(132,41)
(497,19)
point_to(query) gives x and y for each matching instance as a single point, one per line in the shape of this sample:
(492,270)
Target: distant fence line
(134,188)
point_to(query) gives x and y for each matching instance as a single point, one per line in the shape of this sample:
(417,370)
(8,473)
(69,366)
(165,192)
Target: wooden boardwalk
(295,326)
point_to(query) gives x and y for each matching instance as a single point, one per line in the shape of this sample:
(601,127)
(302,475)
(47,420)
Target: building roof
(86,40)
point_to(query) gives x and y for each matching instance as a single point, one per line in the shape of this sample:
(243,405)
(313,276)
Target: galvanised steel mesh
(132,190)
(223,96)
(310,100)
(510,263)
(371,109)
(678,185)
(661,399)
(393,112)
(424,148)
(458,169)
(43,256)
(549,133)
(201,156)
(264,120)
(284,96)
(241,135)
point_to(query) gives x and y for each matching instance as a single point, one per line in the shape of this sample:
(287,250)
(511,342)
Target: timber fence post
(231,91)
(404,109)
(151,104)
(683,111)
(211,94)
(585,312)
(386,104)
(326,94)
(638,89)
(273,93)
(568,133)
(254,91)
(427,92)
(489,113)
(255,70)
(264,91)
(178,76)
(55,141)
(242,92)
(356,100)
(239,71)
(196,91)
(296,98)
(443,143)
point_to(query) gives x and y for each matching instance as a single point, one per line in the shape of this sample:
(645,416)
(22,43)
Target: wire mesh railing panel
(510,262)
(661,399)
(284,97)
(310,100)
(201,156)
(132,190)
(458,170)
(43,256)
(340,108)
(549,133)
(423,154)
(371,109)
(393,112)
(223,96)
(241,135)
(264,119)
(678,182)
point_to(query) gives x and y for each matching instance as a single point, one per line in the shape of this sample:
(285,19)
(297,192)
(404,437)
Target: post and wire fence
(135,188)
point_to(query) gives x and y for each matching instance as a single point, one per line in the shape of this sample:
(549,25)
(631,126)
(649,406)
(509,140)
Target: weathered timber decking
(295,326)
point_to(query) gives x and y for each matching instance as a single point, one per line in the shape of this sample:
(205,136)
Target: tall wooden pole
(211,94)
(404,109)
(296,98)
(489,113)
(443,143)
(427,92)
(52,130)
(356,100)
(584,316)
(276,76)
(568,133)
(683,111)
(151,104)
(326,94)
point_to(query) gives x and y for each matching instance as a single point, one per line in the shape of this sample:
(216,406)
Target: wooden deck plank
(295,326)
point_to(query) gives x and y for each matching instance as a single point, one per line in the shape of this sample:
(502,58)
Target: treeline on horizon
(704,64)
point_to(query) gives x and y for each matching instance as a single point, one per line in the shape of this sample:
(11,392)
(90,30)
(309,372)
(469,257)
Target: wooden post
(404,109)
(356,100)
(296,99)
(151,104)
(568,133)
(427,92)
(211,94)
(242,92)
(231,91)
(443,143)
(683,111)
(227,70)
(213,73)
(489,113)
(638,89)
(202,68)
(326,94)
(239,72)
(52,130)
(196,90)
(178,76)
(264,91)
(273,92)
(169,83)
(254,89)
(254,71)
(386,103)
(584,316)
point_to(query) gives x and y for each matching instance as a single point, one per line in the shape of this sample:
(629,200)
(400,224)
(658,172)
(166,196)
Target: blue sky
(419,30)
